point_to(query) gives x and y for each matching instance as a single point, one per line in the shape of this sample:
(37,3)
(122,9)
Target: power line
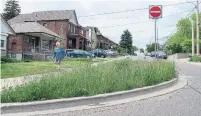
(142,21)
(126,24)
(132,10)
(135,16)
(174,29)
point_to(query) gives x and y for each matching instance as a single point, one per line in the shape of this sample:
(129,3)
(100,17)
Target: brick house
(103,42)
(62,22)
(31,39)
(97,40)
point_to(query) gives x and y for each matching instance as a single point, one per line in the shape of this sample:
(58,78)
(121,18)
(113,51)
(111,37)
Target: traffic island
(106,78)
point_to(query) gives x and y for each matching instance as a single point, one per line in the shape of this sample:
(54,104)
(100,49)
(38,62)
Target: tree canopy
(126,41)
(181,41)
(141,50)
(11,10)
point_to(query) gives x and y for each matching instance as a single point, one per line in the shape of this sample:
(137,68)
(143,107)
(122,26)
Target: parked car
(153,54)
(148,54)
(99,53)
(68,52)
(111,53)
(161,54)
(79,54)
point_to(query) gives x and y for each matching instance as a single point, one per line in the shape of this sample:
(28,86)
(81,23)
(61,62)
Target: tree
(151,47)
(11,10)
(181,40)
(141,50)
(126,41)
(134,48)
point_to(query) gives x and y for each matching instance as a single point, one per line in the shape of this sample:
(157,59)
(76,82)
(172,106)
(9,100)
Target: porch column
(77,42)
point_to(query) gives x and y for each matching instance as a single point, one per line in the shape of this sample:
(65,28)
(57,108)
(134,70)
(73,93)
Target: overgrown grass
(195,59)
(16,69)
(106,78)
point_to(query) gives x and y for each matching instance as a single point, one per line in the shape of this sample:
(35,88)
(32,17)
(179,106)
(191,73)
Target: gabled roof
(32,27)
(43,15)
(6,23)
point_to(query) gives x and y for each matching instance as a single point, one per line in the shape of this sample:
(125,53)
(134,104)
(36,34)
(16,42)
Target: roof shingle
(42,15)
(32,27)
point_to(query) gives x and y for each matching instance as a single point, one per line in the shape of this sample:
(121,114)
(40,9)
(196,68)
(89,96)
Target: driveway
(184,102)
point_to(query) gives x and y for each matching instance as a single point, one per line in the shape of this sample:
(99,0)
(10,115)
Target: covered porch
(76,41)
(36,41)
(38,46)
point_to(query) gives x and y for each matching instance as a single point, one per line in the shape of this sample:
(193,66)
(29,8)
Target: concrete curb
(7,108)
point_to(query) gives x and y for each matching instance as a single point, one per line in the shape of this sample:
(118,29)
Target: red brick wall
(19,43)
(59,27)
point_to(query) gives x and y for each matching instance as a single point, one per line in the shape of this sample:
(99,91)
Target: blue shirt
(60,53)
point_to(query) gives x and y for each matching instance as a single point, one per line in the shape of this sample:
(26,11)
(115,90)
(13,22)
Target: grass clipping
(92,80)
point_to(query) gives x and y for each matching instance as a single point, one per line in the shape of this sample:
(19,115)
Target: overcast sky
(142,33)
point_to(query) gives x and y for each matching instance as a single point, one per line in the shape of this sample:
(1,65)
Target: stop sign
(155,12)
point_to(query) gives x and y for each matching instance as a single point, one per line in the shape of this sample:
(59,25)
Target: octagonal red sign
(155,12)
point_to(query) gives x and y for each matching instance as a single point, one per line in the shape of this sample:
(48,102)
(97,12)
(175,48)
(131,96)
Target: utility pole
(197,25)
(193,46)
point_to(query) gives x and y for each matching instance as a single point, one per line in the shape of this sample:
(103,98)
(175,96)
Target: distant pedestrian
(59,53)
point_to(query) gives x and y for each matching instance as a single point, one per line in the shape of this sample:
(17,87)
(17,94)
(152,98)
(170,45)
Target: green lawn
(90,80)
(17,69)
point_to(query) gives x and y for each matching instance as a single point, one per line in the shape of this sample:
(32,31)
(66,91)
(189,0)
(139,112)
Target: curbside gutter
(7,108)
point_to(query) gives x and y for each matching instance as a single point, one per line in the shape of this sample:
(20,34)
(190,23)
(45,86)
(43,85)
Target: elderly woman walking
(59,53)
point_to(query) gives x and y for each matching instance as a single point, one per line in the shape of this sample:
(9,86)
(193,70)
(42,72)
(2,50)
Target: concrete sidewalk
(186,60)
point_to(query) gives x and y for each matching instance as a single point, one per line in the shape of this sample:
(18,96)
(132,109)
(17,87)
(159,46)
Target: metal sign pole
(155,37)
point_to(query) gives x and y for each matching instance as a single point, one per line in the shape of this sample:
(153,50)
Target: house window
(82,32)
(2,43)
(70,41)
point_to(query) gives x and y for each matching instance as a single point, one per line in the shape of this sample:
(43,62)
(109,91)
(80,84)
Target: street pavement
(183,102)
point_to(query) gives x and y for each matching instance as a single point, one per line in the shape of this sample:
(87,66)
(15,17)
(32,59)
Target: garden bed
(88,81)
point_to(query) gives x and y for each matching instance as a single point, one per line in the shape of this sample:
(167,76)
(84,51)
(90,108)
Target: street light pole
(197,25)
(192,23)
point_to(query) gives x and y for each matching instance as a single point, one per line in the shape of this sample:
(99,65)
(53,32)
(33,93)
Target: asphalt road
(184,102)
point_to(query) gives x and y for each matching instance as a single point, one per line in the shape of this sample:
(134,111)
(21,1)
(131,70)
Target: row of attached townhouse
(37,33)
(97,40)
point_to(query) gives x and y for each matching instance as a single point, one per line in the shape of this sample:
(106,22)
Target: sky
(113,25)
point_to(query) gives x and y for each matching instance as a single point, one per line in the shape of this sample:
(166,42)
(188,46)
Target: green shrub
(195,59)
(90,80)
(7,59)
